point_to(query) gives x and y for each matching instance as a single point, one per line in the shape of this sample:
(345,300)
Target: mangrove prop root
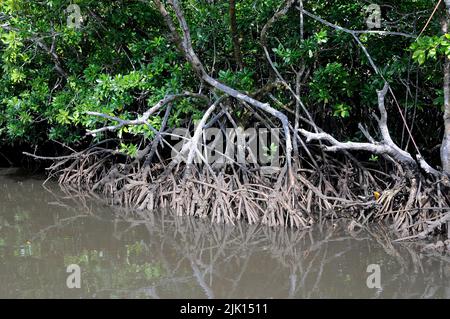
(413,198)
(347,191)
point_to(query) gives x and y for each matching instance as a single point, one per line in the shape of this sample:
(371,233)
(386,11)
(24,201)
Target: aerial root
(344,190)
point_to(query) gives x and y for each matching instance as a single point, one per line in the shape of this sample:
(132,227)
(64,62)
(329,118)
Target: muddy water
(43,230)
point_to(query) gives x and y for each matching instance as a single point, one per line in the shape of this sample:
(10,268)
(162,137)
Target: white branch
(185,44)
(142,119)
(340,146)
(355,32)
(385,147)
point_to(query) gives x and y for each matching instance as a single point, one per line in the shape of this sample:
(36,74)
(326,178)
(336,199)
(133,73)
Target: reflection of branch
(61,223)
(320,272)
(201,281)
(237,280)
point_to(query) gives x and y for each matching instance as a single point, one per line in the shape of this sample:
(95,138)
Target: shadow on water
(125,255)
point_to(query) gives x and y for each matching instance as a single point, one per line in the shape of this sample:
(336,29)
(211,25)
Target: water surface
(121,255)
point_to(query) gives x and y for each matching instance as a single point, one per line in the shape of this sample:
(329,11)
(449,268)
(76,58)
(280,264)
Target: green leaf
(419,56)
(432,53)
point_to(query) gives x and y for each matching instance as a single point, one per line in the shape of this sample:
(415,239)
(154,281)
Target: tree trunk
(235,36)
(445,148)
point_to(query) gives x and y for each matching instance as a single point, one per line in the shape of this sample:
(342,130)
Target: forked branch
(184,43)
(142,119)
(385,147)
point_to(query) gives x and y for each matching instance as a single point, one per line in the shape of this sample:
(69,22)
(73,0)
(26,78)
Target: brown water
(42,231)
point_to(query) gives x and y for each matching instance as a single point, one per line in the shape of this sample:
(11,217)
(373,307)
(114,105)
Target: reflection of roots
(279,199)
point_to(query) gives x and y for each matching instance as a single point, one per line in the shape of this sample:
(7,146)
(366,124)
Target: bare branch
(192,145)
(185,44)
(356,32)
(143,119)
(386,147)
(340,146)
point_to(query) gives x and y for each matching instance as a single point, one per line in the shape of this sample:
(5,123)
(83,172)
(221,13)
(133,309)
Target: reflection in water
(122,255)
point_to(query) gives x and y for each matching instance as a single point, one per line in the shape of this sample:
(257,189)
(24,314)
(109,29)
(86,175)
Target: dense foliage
(120,60)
